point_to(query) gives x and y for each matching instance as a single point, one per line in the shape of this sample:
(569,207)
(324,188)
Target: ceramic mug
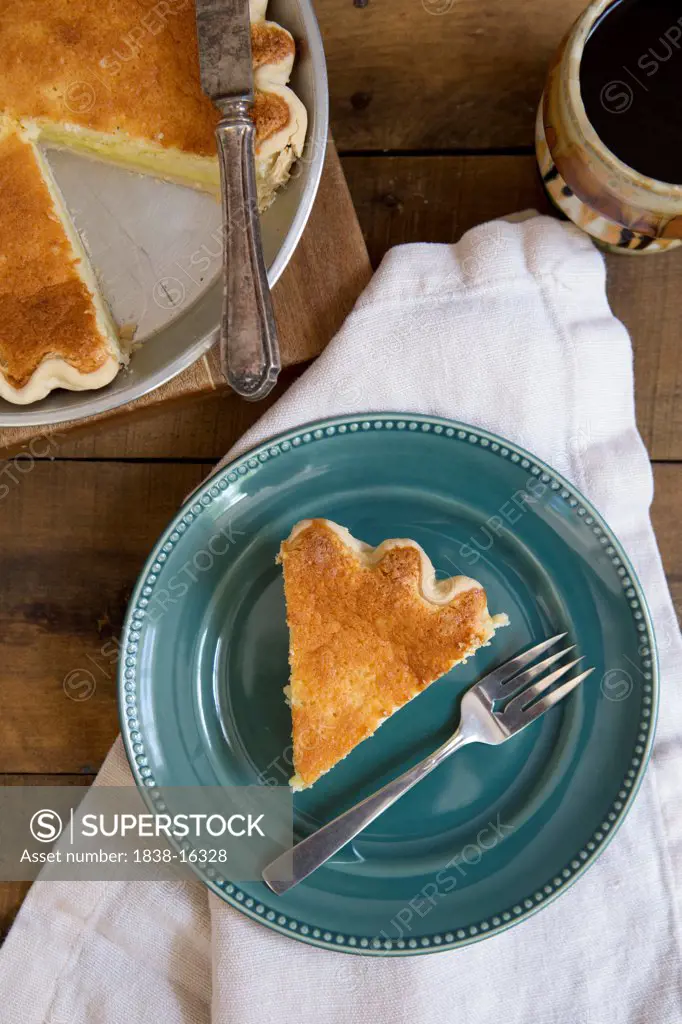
(623,210)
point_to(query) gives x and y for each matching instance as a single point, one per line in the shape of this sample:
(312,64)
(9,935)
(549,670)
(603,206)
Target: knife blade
(224,36)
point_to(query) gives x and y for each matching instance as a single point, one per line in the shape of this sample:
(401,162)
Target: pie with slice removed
(117,81)
(369,628)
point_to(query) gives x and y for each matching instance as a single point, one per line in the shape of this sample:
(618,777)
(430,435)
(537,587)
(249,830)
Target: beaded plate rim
(248,464)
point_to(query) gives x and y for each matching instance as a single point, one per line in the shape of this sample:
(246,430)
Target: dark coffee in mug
(631,84)
(608,135)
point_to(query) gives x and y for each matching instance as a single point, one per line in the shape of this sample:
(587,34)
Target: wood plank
(74,537)
(666,519)
(198,428)
(439,74)
(13,894)
(437,199)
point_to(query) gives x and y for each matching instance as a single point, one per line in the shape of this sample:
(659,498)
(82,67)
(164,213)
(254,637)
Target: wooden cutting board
(328,270)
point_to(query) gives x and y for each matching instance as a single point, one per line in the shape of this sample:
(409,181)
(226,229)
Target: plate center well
(242,668)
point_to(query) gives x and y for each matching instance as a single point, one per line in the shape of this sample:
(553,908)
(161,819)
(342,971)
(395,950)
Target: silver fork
(480,722)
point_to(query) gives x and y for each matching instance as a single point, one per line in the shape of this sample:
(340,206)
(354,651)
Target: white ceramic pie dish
(156,247)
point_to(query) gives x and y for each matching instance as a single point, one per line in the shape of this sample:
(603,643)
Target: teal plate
(494,834)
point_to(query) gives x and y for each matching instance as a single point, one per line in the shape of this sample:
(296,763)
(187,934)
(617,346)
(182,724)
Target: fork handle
(249,350)
(296,864)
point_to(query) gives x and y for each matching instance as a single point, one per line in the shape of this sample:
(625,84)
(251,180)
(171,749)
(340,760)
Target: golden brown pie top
(364,639)
(121,66)
(270,44)
(46,307)
(271,114)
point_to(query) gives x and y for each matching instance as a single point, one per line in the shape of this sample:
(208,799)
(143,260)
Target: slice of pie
(55,330)
(370,628)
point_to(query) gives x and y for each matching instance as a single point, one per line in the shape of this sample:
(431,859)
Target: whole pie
(370,628)
(118,81)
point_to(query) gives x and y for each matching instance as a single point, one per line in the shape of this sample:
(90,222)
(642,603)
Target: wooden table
(432,107)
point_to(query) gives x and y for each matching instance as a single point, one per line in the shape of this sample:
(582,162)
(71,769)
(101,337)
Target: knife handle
(249,350)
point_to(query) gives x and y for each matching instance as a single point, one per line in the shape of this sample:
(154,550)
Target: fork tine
(522,681)
(492,684)
(526,696)
(535,710)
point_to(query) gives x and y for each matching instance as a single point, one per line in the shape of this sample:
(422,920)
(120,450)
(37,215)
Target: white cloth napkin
(509,330)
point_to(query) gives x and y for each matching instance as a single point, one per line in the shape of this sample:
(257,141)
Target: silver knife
(249,350)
